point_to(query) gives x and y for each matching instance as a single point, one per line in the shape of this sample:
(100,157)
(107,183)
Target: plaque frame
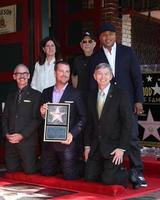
(56,126)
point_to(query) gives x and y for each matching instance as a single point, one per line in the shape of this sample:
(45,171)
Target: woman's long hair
(42,56)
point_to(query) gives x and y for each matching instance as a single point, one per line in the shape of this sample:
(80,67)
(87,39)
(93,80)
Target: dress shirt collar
(62,90)
(24,89)
(105,90)
(113,49)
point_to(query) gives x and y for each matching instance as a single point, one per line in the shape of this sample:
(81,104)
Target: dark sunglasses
(87,41)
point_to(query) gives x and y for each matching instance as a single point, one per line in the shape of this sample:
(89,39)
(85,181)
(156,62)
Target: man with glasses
(80,63)
(20,122)
(80,71)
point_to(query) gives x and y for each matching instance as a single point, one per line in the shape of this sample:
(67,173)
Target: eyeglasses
(87,41)
(24,74)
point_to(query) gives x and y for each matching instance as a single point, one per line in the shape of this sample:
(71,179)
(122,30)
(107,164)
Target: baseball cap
(89,34)
(106,27)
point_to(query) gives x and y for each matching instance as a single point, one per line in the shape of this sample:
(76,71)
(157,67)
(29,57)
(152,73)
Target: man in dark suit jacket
(127,75)
(20,121)
(66,152)
(107,134)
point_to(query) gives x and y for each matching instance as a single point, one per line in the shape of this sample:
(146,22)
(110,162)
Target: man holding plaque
(64,151)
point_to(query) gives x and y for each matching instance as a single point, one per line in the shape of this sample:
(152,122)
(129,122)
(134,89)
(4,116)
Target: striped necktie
(19,98)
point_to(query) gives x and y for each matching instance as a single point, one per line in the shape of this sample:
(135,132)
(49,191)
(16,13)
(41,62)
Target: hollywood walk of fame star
(156,89)
(150,126)
(57,115)
(14,194)
(149,78)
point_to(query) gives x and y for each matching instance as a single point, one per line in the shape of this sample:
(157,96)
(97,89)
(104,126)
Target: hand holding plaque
(69,139)
(56,125)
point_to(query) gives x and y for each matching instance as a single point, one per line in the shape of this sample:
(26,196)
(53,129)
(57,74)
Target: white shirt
(43,76)
(111,57)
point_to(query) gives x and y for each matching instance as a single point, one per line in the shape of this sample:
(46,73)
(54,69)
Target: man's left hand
(138,108)
(118,156)
(69,139)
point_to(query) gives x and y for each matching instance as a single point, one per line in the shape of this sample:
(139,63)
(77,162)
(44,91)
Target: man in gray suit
(20,121)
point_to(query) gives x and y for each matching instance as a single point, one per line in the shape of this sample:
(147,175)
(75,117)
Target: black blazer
(127,71)
(77,109)
(25,118)
(113,128)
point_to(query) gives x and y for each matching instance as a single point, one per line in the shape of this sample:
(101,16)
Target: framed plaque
(56,125)
(8,19)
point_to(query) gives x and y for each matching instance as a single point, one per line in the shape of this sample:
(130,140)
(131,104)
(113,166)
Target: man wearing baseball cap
(80,62)
(126,74)
(80,73)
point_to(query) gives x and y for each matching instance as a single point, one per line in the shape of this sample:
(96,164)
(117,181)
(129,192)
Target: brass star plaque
(56,125)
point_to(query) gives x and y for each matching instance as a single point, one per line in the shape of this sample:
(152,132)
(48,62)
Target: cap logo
(87,33)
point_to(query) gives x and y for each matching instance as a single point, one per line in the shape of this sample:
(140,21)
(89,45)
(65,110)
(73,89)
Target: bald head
(21,66)
(21,75)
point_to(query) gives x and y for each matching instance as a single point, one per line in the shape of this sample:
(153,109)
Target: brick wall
(145,39)
(137,31)
(110,13)
(126,30)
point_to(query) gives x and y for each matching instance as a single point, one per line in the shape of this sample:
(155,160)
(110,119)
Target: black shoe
(134,179)
(135,184)
(142,181)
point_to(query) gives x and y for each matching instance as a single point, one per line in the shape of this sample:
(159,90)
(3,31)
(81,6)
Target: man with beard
(64,153)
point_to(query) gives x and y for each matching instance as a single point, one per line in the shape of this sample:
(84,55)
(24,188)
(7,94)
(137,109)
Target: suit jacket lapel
(104,55)
(26,93)
(50,94)
(15,96)
(65,94)
(94,103)
(117,59)
(108,100)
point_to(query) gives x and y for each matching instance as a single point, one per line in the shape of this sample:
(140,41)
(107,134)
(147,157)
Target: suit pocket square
(27,101)
(69,101)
